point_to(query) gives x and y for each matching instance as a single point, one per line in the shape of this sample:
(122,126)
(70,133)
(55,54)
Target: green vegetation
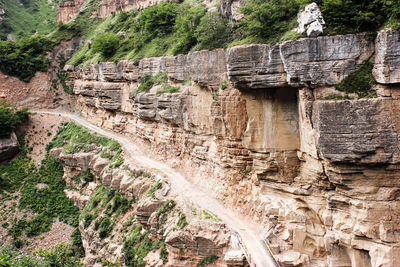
(46,203)
(105,227)
(62,255)
(162,212)
(27,17)
(10,117)
(75,138)
(24,57)
(359,82)
(268,20)
(106,44)
(167,28)
(337,97)
(138,244)
(207,260)
(349,16)
(152,190)
(85,176)
(9,256)
(182,220)
(168,89)
(147,82)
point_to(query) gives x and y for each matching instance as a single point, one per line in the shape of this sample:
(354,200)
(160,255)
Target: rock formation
(185,244)
(310,21)
(321,175)
(9,147)
(67,9)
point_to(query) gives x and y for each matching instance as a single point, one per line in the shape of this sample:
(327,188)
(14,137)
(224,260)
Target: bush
(10,117)
(25,57)
(62,255)
(359,82)
(158,20)
(347,16)
(213,32)
(106,44)
(137,245)
(267,19)
(186,23)
(105,228)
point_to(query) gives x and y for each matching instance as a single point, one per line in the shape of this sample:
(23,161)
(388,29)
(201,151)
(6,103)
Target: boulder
(8,147)
(311,21)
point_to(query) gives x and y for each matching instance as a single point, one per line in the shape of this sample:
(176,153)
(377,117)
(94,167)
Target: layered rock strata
(322,176)
(185,245)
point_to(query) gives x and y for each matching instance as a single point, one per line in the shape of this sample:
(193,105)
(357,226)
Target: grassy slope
(38,16)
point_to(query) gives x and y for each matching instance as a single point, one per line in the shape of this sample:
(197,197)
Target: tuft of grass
(138,244)
(207,261)
(168,89)
(153,188)
(337,97)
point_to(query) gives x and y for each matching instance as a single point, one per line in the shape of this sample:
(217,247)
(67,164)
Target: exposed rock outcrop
(67,9)
(253,125)
(186,244)
(9,147)
(310,20)
(387,57)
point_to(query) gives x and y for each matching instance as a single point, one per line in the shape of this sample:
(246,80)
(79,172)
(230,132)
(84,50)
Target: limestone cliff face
(322,176)
(67,9)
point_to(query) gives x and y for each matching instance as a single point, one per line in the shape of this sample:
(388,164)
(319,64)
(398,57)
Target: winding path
(250,233)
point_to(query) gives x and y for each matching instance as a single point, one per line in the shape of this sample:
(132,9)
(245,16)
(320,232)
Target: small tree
(106,44)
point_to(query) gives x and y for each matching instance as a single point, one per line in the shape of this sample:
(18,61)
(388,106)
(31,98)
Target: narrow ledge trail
(250,232)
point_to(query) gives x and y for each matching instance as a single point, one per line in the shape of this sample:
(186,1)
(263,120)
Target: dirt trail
(250,232)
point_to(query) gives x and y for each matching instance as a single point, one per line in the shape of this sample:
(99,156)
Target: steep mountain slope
(27,17)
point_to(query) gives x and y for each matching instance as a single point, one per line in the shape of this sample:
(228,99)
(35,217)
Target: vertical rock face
(67,9)
(387,57)
(361,131)
(8,147)
(255,66)
(322,176)
(324,60)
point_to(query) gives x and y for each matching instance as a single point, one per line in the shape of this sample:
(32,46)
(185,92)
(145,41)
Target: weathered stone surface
(387,57)
(207,68)
(324,60)
(68,9)
(363,131)
(255,66)
(9,147)
(310,20)
(322,176)
(229,9)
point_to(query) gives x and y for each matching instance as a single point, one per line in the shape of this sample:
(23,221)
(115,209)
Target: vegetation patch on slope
(23,58)
(10,118)
(167,28)
(28,17)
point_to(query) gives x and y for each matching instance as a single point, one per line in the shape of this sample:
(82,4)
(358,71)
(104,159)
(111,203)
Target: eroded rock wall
(252,125)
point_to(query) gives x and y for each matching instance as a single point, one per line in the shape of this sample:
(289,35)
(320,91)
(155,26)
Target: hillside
(27,17)
(202,133)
